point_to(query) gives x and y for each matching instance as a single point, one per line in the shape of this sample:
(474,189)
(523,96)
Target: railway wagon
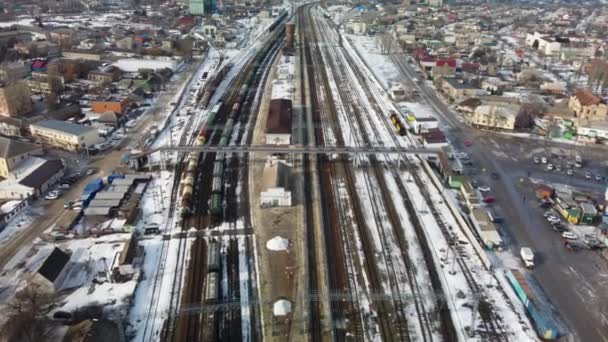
(217,185)
(215,205)
(213,287)
(218,168)
(213,257)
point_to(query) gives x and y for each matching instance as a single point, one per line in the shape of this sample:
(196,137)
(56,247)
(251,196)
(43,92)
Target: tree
(527,113)
(52,101)
(28,314)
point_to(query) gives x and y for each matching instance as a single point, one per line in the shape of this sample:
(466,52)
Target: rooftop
(63,126)
(279,117)
(586,98)
(11,147)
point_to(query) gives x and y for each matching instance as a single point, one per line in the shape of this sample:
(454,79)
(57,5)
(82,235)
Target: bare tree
(527,113)
(28,314)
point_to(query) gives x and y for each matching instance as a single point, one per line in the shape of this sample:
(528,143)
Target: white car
(569,236)
(569,172)
(550,167)
(536,160)
(543,160)
(527,255)
(484,188)
(52,195)
(463,155)
(553,219)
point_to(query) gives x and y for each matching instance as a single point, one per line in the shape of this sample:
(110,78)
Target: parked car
(64,186)
(569,172)
(549,167)
(91,171)
(598,178)
(489,199)
(553,219)
(53,195)
(536,160)
(68,204)
(558,168)
(569,235)
(587,175)
(495,176)
(484,188)
(474,183)
(543,160)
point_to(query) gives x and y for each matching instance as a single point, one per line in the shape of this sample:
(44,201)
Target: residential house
(587,106)
(90,55)
(31,178)
(114,104)
(108,75)
(13,151)
(65,135)
(278,123)
(15,99)
(494,117)
(8,38)
(14,71)
(458,89)
(43,83)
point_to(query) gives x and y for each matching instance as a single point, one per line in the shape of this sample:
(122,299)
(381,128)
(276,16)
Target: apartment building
(65,135)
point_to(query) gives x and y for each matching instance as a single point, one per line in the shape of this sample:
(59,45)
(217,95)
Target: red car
(489,199)
(468,143)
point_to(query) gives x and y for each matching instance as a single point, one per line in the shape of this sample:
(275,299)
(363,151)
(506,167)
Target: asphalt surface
(575,282)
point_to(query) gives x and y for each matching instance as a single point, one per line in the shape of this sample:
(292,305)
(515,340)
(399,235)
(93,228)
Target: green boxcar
(215,207)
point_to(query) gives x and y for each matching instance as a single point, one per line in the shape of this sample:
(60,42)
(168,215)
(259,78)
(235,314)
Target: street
(574,282)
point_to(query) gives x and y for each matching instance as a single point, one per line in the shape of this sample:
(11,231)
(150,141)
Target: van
(527,255)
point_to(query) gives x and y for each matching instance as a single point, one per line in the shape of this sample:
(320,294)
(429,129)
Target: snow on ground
(277,243)
(384,70)
(20,222)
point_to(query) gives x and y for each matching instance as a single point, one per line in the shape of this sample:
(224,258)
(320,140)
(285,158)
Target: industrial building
(485,228)
(275,184)
(278,124)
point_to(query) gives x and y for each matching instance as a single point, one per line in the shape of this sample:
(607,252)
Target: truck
(527,255)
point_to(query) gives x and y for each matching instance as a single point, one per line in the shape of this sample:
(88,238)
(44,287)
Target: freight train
(215,202)
(213,269)
(278,22)
(208,90)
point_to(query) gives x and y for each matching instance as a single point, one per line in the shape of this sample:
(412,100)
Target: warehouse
(275,182)
(485,228)
(278,125)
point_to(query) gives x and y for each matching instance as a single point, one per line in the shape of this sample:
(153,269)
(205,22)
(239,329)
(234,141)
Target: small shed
(588,213)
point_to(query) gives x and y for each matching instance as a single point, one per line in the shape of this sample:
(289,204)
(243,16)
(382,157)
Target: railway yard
(288,195)
(369,248)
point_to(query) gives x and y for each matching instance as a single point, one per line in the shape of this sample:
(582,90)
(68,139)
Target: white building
(65,135)
(275,184)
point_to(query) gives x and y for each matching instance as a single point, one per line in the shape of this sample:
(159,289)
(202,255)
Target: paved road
(575,282)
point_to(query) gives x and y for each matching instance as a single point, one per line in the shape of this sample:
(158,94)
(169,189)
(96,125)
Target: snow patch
(277,243)
(281,307)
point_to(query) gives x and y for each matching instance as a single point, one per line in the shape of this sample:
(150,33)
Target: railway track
(224,324)
(339,171)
